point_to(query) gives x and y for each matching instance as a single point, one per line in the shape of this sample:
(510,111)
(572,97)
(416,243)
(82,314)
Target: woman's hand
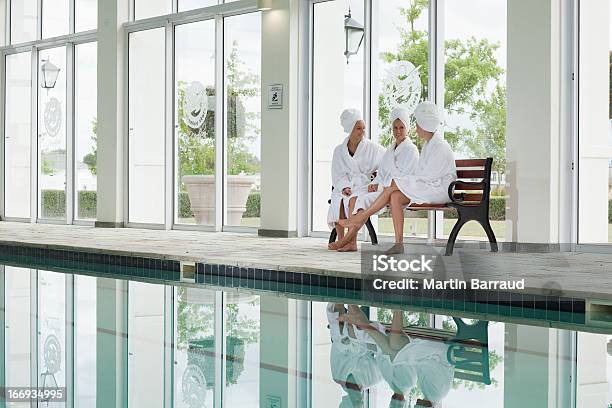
(347,191)
(372,188)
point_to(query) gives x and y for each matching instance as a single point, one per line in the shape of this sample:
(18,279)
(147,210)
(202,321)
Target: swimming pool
(146,339)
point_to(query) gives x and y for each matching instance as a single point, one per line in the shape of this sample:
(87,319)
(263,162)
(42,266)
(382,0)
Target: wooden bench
(468,347)
(469,195)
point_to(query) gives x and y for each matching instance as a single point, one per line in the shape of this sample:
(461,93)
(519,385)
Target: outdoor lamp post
(354,33)
(50,72)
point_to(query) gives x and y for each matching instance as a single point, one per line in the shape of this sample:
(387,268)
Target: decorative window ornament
(193,386)
(196,105)
(53,117)
(402,86)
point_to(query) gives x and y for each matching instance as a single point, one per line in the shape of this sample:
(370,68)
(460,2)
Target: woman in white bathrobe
(353,163)
(429,184)
(352,356)
(400,160)
(405,362)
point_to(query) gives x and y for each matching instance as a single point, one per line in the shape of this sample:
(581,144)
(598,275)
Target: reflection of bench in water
(468,348)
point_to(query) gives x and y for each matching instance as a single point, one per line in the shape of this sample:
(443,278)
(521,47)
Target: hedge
(497,210)
(253,206)
(54,204)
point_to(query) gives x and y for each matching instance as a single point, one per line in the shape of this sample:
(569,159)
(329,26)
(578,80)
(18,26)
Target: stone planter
(201,190)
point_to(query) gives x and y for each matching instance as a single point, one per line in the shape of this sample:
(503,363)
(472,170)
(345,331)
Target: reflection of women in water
(352,357)
(405,362)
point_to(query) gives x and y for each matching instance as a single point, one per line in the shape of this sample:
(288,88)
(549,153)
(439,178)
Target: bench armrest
(451,189)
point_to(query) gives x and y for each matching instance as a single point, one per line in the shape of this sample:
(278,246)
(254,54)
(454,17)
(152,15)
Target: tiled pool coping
(555,310)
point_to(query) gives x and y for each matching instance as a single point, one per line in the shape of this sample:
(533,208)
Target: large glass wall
(195,96)
(146,126)
(18,136)
(52,159)
(17,338)
(475,49)
(400,72)
(23,21)
(55,18)
(85,130)
(336,84)
(243,124)
(52,325)
(86,15)
(151,8)
(195,347)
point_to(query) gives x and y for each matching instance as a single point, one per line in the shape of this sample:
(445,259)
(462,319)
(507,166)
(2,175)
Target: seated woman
(429,183)
(399,160)
(405,362)
(353,163)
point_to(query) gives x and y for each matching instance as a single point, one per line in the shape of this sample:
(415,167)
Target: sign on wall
(275,96)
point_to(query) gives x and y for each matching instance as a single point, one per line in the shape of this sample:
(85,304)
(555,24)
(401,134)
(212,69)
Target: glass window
(85,330)
(145,345)
(152,8)
(23,21)
(52,331)
(18,329)
(336,85)
(184,5)
(242,350)
(402,46)
(475,95)
(55,19)
(17,135)
(243,127)
(86,15)
(52,133)
(85,125)
(195,122)
(194,364)
(146,123)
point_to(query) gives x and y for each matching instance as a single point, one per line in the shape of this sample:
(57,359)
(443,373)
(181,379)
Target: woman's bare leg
(351,246)
(397,337)
(398,201)
(381,202)
(339,228)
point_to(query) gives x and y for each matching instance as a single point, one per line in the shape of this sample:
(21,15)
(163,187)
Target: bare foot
(334,245)
(395,249)
(350,247)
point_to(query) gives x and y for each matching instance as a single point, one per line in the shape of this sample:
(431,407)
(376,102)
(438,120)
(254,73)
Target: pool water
(141,343)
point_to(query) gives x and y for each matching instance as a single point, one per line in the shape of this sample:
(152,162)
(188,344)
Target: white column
(533,121)
(279,129)
(112,82)
(277,352)
(594,121)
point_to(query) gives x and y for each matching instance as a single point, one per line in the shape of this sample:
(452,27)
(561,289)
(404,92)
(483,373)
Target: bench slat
(469,197)
(415,207)
(470,174)
(470,162)
(464,186)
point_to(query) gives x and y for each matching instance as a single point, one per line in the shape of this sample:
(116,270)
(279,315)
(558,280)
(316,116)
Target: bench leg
(490,234)
(333,235)
(372,232)
(450,245)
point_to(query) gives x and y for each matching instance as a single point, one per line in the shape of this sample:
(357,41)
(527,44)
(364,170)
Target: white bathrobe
(397,162)
(352,355)
(422,361)
(434,173)
(353,172)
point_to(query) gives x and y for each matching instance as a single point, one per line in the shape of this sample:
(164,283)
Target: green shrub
(184,205)
(253,206)
(54,204)
(609,211)
(88,205)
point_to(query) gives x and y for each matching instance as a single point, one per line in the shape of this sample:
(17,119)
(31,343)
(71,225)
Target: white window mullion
(220,139)
(34,196)
(71,17)
(71,202)
(39,11)
(169,126)
(367,84)
(7,26)
(70,330)
(3,127)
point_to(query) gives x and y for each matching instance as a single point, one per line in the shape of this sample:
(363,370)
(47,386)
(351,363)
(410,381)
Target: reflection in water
(194,347)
